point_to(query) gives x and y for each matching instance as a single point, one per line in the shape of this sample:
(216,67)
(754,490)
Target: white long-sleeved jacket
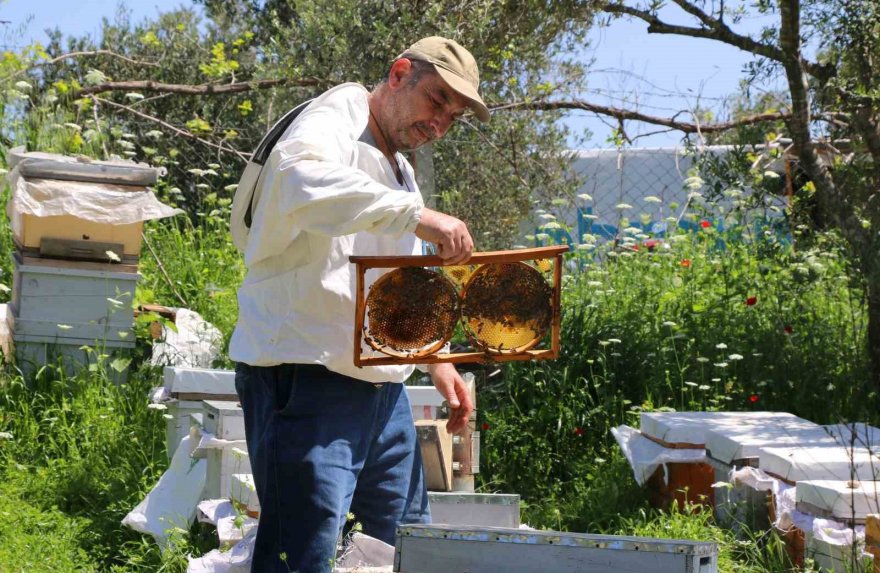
(323,195)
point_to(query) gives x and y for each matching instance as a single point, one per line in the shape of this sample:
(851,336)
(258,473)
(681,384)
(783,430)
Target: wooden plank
(872,539)
(52,247)
(457,358)
(198,396)
(34,260)
(435,444)
(360,311)
(372,262)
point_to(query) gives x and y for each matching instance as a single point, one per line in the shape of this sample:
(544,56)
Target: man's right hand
(451,235)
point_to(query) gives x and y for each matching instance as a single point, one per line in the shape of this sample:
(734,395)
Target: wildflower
(547,216)
(716,380)
(686,263)
(64,327)
(753,398)
(623,206)
(485,426)
(720,346)
(157,406)
(668,323)
(23,86)
(651,244)
(694,384)
(652,199)
(5,435)
(585,197)
(693,183)
(787,329)
(578,431)
(614,340)
(134,96)
(702,359)
(751,301)
(705,224)
(735,357)
(704,387)
(721,364)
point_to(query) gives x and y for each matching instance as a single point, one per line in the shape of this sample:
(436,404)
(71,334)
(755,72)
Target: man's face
(422,111)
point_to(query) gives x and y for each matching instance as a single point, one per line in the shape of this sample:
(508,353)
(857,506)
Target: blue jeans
(321,444)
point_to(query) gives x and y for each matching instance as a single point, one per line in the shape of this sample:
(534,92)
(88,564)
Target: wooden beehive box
(458,291)
(72,300)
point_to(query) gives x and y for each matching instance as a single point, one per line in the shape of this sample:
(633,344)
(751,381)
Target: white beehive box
(445,549)
(798,463)
(842,500)
(71,300)
(475,509)
(856,434)
(225,421)
(188,387)
(833,558)
(688,429)
(425,402)
(738,444)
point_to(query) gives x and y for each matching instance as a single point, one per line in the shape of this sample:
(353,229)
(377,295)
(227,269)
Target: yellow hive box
(29,230)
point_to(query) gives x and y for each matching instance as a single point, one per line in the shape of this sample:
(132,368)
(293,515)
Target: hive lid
(199,381)
(844,500)
(37,164)
(727,443)
(799,463)
(688,429)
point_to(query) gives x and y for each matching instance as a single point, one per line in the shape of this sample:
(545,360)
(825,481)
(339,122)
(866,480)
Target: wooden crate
(681,482)
(441,549)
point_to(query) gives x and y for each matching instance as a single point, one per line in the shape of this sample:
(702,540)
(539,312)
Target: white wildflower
(232,187)
(551,225)
(134,96)
(721,364)
(652,199)
(5,435)
(669,323)
(694,384)
(64,327)
(771,175)
(95,77)
(693,183)
(702,359)
(720,346)
(157,406)
(735,357)
(623,206)
(547,217)
(23,86)
(615,340)
(585,197)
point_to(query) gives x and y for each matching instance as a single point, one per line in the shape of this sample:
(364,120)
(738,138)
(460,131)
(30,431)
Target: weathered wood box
(58,300)
(442,549)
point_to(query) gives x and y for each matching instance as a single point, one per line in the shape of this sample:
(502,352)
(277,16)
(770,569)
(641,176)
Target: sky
(663,74)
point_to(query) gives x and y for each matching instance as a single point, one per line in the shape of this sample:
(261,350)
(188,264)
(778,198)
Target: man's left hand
(451,385)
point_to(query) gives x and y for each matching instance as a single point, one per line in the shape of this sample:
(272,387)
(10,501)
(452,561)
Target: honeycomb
(411,311)
(507,307)
(459,274)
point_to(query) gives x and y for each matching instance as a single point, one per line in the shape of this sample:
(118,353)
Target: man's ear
(400,69)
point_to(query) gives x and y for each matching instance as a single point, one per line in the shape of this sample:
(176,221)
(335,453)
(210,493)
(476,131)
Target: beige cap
(455,65)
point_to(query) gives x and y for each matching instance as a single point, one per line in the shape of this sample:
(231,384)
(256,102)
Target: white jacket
(322,196)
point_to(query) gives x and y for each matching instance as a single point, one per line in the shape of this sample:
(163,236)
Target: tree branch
(627,114)
(182,132)
(199,89)
(69,55)
(712,29)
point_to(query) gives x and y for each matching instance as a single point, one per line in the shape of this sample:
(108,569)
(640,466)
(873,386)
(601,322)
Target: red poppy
(705,224)
(753,398)
(686,263)
(650,244)
(579,431)
(787,329)
(752,301)
(485,426)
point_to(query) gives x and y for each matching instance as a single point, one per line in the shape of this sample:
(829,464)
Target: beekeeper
(324,436)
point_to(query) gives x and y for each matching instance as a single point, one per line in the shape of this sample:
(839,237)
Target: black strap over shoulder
(261,154)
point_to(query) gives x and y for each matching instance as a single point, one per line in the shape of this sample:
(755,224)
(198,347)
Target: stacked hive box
(77,230)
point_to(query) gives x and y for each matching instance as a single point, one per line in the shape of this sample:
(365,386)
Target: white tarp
(645,456)
(195,342)
(97,202)
(172,502)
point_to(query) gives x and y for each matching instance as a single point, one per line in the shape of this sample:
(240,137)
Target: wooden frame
(364,263)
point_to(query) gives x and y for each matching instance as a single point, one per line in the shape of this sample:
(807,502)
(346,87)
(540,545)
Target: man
(324,436)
